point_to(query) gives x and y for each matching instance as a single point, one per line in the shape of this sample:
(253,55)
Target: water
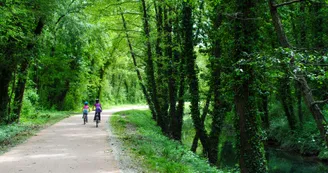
(286,162)
(278,161)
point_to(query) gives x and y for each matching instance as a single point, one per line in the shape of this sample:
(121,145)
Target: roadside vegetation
(155,151)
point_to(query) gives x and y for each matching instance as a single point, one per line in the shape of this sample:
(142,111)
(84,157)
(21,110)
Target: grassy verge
(157,153)
(13,134)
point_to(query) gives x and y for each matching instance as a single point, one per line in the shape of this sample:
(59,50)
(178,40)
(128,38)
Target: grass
(157,153)
(13,134)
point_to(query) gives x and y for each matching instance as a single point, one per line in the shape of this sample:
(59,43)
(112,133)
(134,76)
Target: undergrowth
(158,153)
(305,139)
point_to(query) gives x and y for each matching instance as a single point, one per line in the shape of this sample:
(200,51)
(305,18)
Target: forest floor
(69,146)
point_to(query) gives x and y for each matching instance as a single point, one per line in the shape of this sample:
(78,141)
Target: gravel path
(69,146)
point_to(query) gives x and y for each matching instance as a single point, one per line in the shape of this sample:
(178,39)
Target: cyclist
(98,107)
(85,110)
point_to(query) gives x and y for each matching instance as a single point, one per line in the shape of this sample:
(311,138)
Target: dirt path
(66,147)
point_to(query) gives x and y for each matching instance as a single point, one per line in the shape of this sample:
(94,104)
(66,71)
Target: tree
(246,30)
(306,90)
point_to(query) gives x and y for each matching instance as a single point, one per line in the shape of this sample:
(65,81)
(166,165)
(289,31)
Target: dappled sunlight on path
(66,147)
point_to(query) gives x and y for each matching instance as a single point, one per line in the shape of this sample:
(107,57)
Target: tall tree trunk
(303,26)
(5,76)
(298,90)
(144,90)
(204,114)
(119,85)
(19,89)
(12,91)
(318,20)
(191,74)
(100,88)
(7,68)
(151,83)
(287,101)
(177,121)
(314,108)
(161,81)
(284,92)
(265,109)
(277,25)
(251,151)
(302,43)
(219,105)
(127,90)
(171,61)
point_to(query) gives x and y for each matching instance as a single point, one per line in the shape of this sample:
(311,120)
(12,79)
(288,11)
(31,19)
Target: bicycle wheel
(97,119)
(85,118)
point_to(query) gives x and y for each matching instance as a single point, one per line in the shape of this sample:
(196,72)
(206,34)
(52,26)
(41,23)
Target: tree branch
(287,3)
(319,102)
(122,30)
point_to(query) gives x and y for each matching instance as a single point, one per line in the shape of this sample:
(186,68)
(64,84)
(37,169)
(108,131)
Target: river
(279,161)
(287,162)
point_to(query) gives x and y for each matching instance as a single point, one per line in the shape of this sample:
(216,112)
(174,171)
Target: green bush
(28,109)
(306,140)
(323,155)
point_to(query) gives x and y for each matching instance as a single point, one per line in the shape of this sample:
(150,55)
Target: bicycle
(85,118)
(97,118)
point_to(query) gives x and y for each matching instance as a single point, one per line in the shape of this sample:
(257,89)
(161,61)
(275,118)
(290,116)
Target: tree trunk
(303,26)
(317,25)
(127,90)
(102,73)
(251,151)
(286,100)
(191,74)
(161,81)
(219,105)
(119,85)
(171,61)
(151,83)
(19,90)
(277,25)
(144,90)
(5,77)
(284,88)
(265,102)
(204,114)
(314,108)
(298,91)
(177,121)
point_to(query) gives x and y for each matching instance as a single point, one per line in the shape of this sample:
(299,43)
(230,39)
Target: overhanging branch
(319,102)
(287,3)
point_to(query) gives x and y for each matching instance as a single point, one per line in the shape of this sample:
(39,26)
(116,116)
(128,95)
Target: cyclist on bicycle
(98,107)
(85,110)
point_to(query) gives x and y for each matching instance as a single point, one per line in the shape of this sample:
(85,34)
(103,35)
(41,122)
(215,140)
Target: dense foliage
(258,67)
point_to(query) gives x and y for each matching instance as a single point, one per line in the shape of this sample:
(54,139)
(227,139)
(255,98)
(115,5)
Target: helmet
(97,99)
(85,103)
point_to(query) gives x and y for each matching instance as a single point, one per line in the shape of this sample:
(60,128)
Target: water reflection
(278,161)
(284,162)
